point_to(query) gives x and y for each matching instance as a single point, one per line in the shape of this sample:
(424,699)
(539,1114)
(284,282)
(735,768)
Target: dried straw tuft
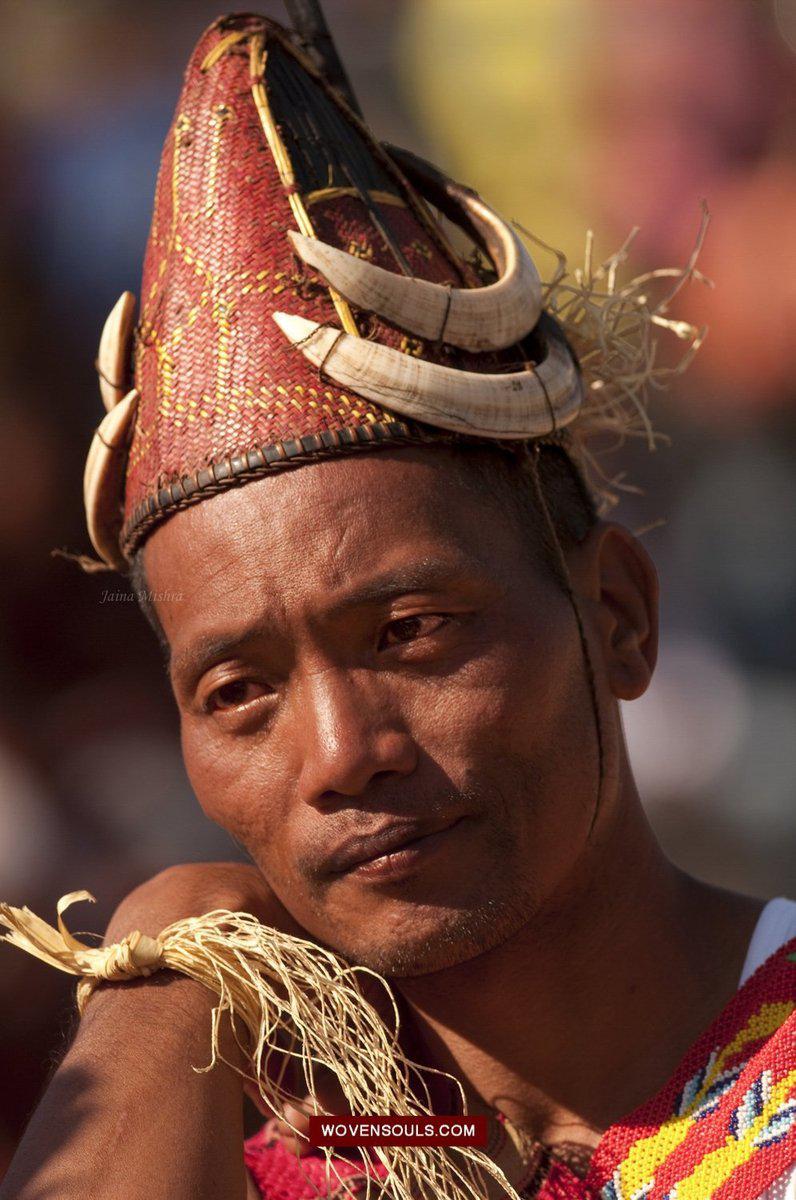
(614,329)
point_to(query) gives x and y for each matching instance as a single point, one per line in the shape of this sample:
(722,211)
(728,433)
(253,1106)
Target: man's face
(383,699)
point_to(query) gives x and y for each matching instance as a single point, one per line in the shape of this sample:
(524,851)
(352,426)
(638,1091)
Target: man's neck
(587,1010)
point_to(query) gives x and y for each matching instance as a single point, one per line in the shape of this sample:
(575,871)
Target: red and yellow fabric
(723,1127)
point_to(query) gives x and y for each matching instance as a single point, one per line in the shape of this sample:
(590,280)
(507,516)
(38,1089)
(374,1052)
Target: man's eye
(409,629)
(235,694)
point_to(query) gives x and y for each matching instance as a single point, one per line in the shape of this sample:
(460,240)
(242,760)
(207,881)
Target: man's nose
(350,736)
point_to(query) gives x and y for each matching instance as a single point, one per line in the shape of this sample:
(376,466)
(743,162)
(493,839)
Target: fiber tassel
(614,330)
(285,997)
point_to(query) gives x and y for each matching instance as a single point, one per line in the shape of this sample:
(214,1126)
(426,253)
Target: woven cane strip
(238,469)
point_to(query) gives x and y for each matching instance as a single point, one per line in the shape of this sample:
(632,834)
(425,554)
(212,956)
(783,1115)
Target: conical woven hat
(260,147)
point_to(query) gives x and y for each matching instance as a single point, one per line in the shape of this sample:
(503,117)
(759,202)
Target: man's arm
(125,1116)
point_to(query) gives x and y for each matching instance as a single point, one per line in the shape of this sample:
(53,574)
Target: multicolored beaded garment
(723,1127)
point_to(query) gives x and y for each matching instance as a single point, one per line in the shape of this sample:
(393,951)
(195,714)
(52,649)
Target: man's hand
(126,1115)
(192,889)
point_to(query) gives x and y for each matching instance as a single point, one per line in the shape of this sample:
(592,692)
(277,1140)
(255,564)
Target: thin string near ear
(565,579)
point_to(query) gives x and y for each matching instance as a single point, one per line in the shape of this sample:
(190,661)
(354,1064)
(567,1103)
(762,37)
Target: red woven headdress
(247,356)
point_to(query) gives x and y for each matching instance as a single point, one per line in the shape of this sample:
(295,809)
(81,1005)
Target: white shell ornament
(478,319)
(512,405)
(103,480)
(113,356)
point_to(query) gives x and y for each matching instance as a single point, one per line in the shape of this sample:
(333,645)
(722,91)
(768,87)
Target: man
(397,635)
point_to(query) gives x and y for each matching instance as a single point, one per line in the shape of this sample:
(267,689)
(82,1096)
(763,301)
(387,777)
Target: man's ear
(614,571)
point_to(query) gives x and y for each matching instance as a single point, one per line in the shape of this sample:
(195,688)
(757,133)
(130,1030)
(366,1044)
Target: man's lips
(387,849)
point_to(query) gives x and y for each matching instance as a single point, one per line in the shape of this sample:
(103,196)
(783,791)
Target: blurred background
(567,115)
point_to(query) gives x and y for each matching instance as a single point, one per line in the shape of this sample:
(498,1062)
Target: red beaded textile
(723,1127)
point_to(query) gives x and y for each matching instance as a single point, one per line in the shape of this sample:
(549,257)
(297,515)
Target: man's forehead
(322,539)
(348,508)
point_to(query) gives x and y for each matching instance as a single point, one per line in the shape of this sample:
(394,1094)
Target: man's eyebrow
(425,575)
(198,655)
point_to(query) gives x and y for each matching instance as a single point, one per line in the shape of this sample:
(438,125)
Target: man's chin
(424,942)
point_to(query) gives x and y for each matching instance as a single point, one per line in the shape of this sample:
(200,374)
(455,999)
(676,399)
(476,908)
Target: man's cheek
(241,806)
(217,779)
(255,816)
(463,723)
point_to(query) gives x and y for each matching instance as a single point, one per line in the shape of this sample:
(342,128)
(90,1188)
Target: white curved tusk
(103,480)
(480,318)
(520,404)
(113,356)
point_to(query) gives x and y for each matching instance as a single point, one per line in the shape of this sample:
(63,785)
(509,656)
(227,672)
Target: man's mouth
(389,853)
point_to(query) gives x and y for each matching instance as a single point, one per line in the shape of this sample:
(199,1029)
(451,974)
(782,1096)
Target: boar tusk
(103,480)
(113,357)
(518,404)
(478,319)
